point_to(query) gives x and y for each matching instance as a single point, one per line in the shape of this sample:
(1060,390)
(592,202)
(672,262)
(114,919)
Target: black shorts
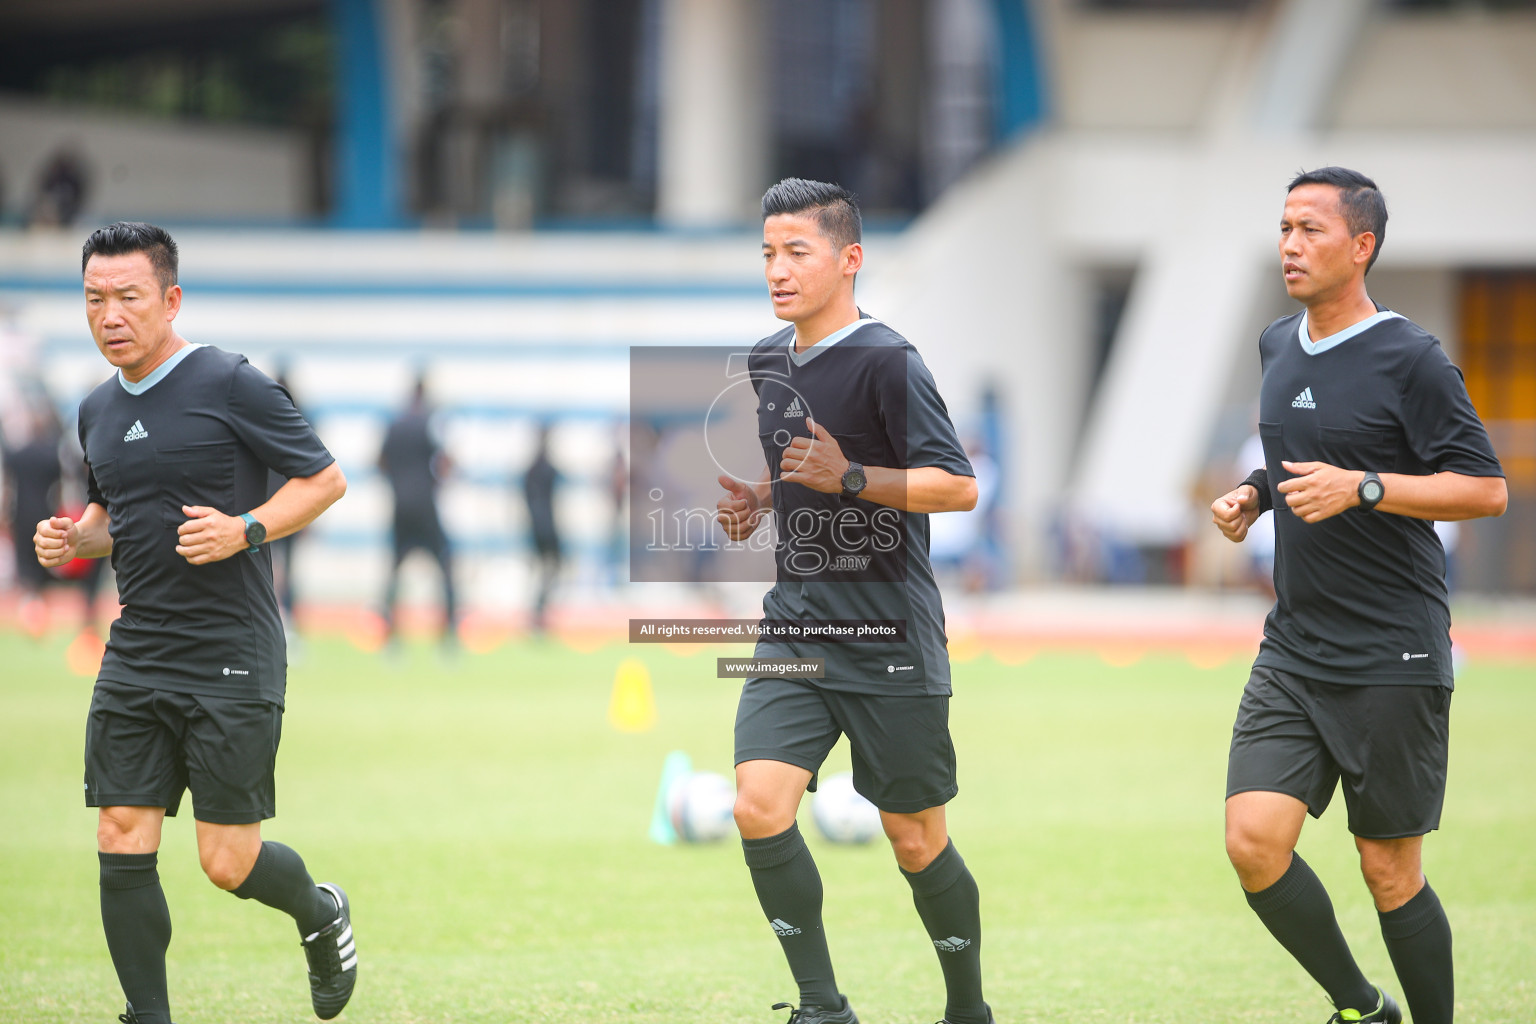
(144,748)
(903,759)
(1388,743)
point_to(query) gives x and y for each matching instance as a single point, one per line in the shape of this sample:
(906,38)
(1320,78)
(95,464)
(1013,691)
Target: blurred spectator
(1450,538)
(32,477)
(539,483)
(61,190)
(413,462)
(963,543)
(618,495)
(35,484)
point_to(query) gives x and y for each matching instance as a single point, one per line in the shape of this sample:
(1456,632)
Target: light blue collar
(801,358)
(1313,348)
(159,373)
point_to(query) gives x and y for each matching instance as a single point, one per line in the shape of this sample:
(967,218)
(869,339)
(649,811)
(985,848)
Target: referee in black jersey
(859,448)
(178,445)
(1369,437)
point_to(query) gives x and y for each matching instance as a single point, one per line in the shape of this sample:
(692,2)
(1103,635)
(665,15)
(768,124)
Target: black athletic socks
(279,879)
(948,902)
(1418,939)
(789,890)
(1298,913)
(138,927)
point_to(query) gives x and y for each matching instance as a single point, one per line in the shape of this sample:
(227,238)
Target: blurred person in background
(960,544)
(178,444)
(540,480)
(62,190)
(618,497)
(413,461)
(1369,437)
(33,475)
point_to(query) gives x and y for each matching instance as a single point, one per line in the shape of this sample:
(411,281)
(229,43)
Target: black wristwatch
(255,533)
(853,480)
(1371,491)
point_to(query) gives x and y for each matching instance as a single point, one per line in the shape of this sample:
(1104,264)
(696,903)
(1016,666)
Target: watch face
(1372,491)
(255,533)
(853,480)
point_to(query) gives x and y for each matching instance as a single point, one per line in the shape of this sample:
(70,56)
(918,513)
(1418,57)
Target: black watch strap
(1371,491)
(854,480)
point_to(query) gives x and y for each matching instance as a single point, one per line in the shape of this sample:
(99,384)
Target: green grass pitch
(490,827)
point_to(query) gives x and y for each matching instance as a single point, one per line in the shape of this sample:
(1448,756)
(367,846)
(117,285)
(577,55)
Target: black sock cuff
(772,851)
(264,857)
(1297,879)
(941,873)
(128,870)
(1412,917)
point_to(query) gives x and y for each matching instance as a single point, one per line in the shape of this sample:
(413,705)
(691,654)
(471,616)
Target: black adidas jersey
(1361,597)
(203,429)
(847,560)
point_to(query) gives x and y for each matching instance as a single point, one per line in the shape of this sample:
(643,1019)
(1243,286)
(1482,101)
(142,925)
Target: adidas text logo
(795,410)
(1304,400)
(783,927)
(953,944)
(136,432)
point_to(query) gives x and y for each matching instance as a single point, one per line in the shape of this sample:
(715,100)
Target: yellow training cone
(632,707)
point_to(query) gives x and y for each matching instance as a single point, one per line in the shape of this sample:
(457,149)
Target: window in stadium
(1498,357)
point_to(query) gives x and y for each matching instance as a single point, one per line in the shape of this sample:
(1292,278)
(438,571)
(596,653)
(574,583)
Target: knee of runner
(1249,851)
(754,816)
(912,849)
(1390,878)
(914,842)
(117,833)
(225,868)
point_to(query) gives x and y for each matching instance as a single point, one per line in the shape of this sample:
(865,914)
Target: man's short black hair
(128,236)
(1360,201)
(836,209)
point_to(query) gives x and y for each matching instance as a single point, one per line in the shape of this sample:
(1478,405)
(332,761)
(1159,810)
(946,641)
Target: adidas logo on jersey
(795,410)
(783,927)
(1304,400)
(136,432)
(953,944)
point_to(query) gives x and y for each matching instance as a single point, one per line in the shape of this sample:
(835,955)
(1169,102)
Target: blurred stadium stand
(1079,199)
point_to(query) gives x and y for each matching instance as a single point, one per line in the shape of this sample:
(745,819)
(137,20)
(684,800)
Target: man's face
(804,270)
(1318,255)
(129,313)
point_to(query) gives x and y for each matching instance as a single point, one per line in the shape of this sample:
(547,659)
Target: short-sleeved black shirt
(1361,597)
(846,559)
(407,458)
(203,429)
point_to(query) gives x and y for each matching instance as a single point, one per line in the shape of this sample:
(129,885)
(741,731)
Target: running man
(1369,438)
(178,444)
(859,450)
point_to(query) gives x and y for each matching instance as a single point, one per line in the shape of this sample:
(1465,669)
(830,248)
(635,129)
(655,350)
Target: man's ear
(1365,246)
(853,258)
